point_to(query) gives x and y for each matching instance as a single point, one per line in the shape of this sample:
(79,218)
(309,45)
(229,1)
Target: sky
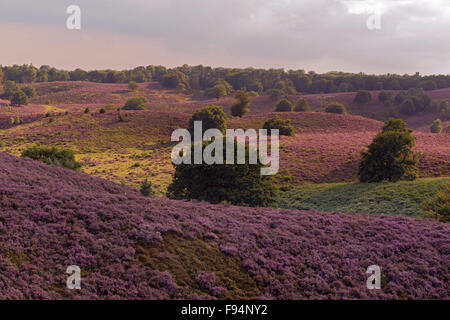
(403,36)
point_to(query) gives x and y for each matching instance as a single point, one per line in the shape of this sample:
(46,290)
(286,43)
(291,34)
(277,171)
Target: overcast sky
(319,35)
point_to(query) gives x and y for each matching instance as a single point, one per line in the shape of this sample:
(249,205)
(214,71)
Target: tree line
(220,81)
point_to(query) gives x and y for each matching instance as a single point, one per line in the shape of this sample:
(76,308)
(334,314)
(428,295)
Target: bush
(436,127)
(241,104)
(134,104)
(19,98)
(284,126)
(384,96)
(146,188)
(389,157)
(53,156)
(102,110)
(29,91)
(363,96)
(86,110)
(218,91)
(275,94)
(9,88)
(284,105)
(238,184)
(439,207)
(407,107)
(336,107)
(447,130)
(212,117)
(133,86)
(302,105)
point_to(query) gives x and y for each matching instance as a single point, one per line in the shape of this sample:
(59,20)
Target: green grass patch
(400,198)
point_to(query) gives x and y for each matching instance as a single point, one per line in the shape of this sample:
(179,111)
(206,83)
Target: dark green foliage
(384,96)
(238,184)
(212,117)
(19,98)
(218,91)
(275,94)
(146,188)
(241,104)
(29,91)
(284,126)
(413,101)
(302,105)
(436,127)
(389,157)
(336,107)
(363,96)
(428,85)
(9,88)
(102,110)
(444,110)
(439,207)
(447,130)
(407,107)
(284,105)
(133,86)
(86,111)
(134,104)
(53,156)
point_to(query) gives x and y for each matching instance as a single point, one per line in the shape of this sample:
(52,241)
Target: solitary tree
(390,156)
(132,85)
(238,184)
(336,107)
(284,105)
(212,117)
(436,127)
(19,98)
(302,105)
(218,91)
(241,104)
(284,126)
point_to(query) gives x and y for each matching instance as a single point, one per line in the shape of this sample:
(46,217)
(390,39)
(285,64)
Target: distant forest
(190,78)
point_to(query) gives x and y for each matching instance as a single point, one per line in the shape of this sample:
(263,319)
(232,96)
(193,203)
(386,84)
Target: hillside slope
(128,246)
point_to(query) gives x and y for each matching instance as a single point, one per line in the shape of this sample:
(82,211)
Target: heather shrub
(436,127)
(241,104)
(284,105)
(363,96)
(284,126)
(302,105)
(19,98)
(53,156)
(134,104)
(336,107)
(439,207)
(238,184)
(212,117)
(146,188)
(389,157)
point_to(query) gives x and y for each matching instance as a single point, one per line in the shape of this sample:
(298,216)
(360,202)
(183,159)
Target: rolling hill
(129,246)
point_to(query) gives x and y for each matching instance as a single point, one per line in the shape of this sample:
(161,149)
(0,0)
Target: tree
(238,184)
(302,105)
(384,96)
(436,127)
(53,156)
(284,105)
(447,130)
(439,207)
(132,85)
(275,94)
(284,126)
(240,104)
(134,104)
(19,98)
(389,157)
(407,107)
(212,117)
(363,96)
(146,188)
(9,88)
(218,91)
(29,91)
(336,107)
